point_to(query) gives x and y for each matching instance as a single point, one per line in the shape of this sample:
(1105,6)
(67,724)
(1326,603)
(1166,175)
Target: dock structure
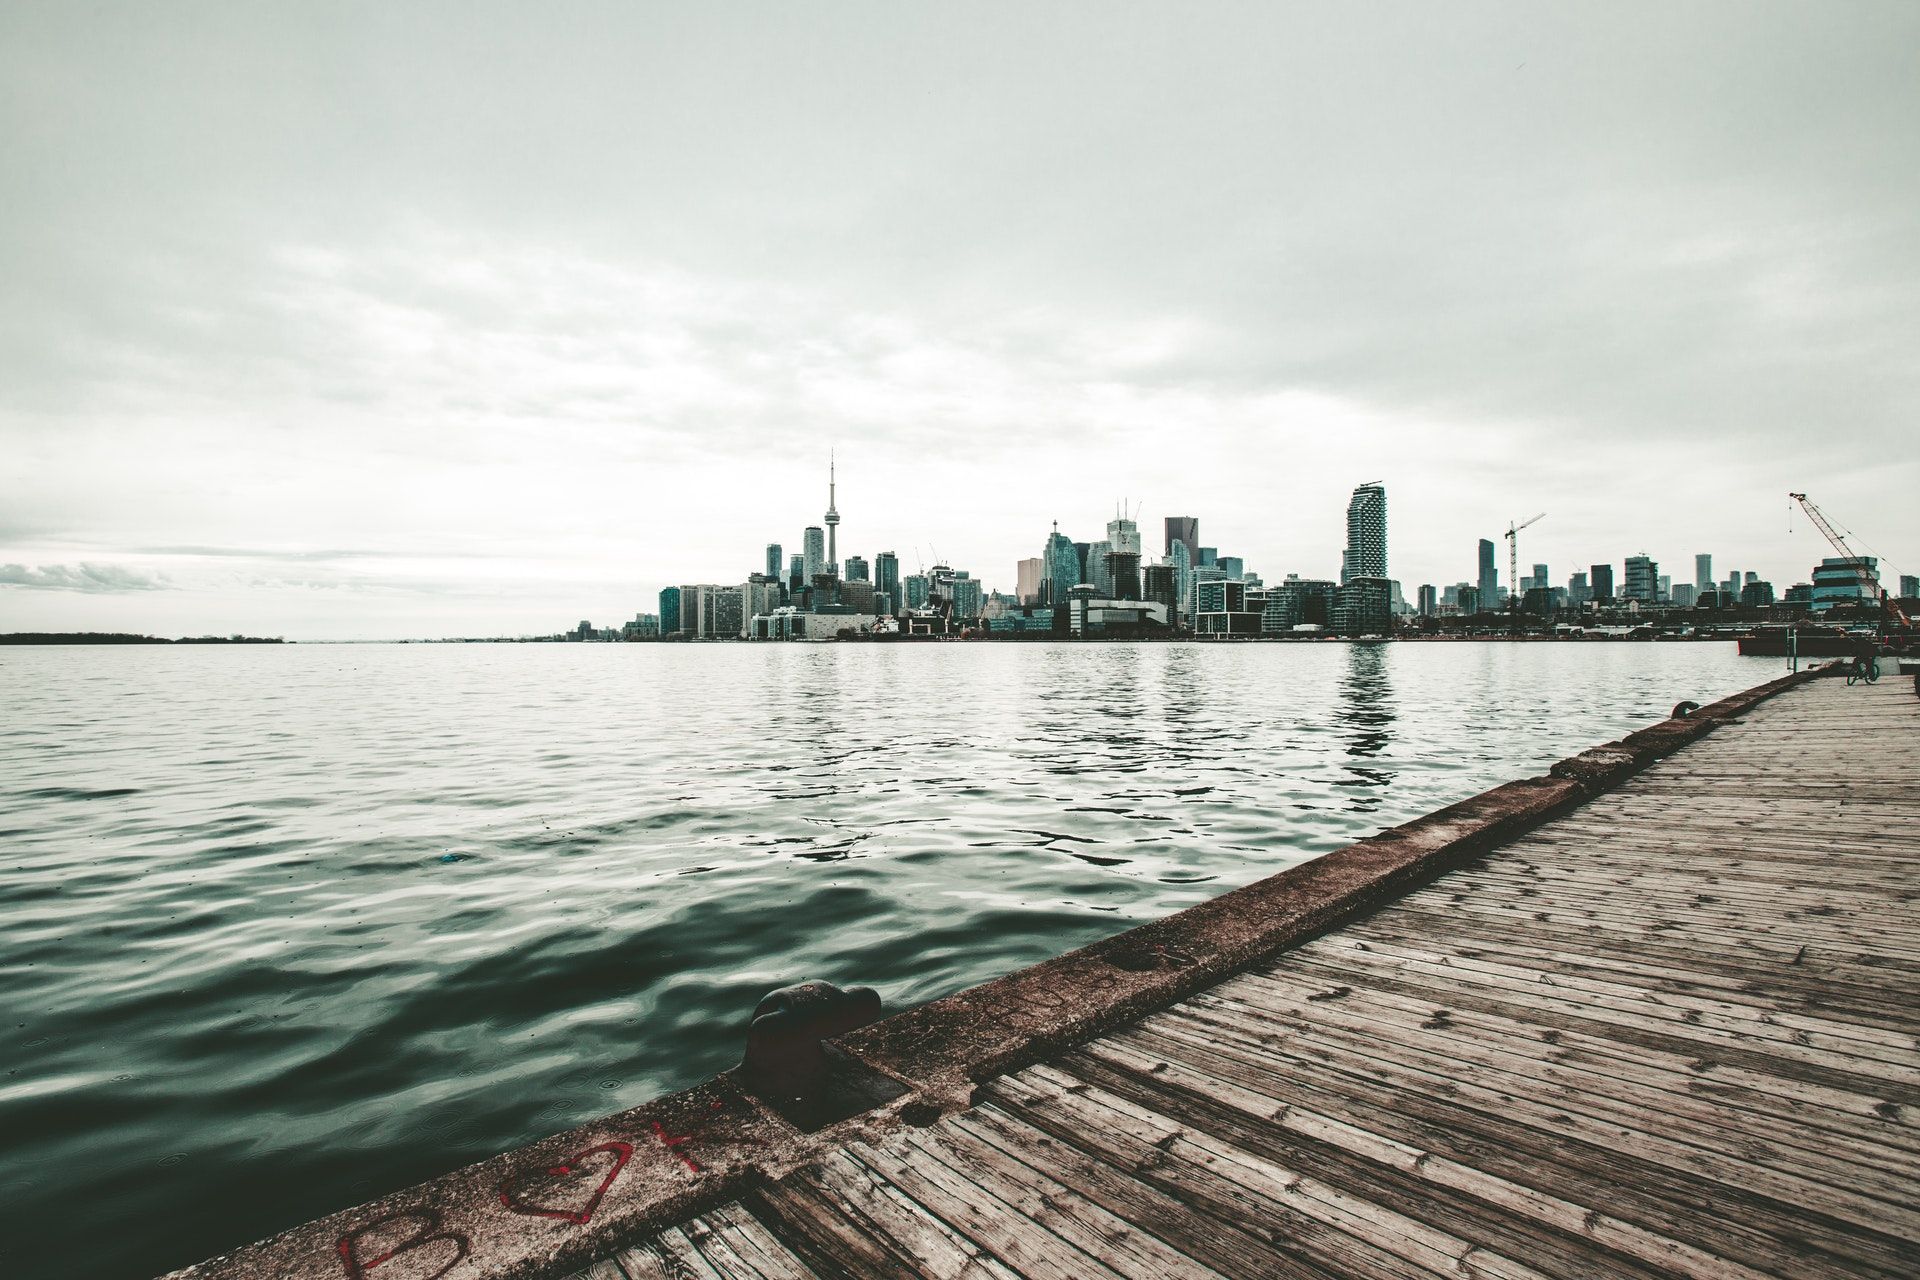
(1656,1014)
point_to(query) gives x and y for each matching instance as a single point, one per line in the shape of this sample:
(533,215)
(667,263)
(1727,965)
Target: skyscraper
(856,569)
(833,522)
(773,560)
(1602,581)
(669,610)
(1100,569)
(1123,558)
(814,544)
(1642,579)
(1429,600)
(1027,576)
(886,577)
(1061,569)
(796,574)
(1366,554)
(1184,529)
(1703,573)
(1234,566)
(1489,575)
(1182,559)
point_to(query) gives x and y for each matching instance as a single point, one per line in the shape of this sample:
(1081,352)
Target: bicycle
(1867,669)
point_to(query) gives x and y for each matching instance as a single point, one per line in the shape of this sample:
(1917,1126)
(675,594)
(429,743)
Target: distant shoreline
(122,637)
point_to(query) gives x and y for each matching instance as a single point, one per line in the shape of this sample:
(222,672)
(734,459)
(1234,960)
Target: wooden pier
(1672,1032)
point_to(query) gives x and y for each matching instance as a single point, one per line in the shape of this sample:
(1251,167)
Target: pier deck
(1672,1032)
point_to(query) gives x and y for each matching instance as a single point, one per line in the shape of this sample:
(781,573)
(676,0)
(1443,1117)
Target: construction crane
(1832,535)
(1512,536)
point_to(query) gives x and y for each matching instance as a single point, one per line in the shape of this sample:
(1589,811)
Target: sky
(402,320)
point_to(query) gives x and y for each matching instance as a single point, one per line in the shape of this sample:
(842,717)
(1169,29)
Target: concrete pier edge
(679,1154)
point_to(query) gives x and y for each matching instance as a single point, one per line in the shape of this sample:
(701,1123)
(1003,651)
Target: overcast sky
(336,320)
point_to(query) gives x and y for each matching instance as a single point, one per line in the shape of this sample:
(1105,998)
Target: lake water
(285,928)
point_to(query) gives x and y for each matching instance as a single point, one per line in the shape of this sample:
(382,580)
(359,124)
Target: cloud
(88,577)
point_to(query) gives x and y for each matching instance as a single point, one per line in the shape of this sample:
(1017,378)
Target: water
(282,929)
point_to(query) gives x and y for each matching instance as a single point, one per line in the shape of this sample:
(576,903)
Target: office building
(1702,574)
(1665,592)
(763,594)
(1469,602)
(1181,559)
(1366,553)
(1083,550)
(1429,600)
(886,580)
(1909,586)
(857,595)
(1233,566)
(1841,581)
(1540,576)
(967,599)
(1578,592)
(917,587)
(796,574)
(1298,602)
(1184,530)
(1489,573)
(1209,557)
(856,570)
(1642,581)
(813,546)
(1683,595)
(1602,582)
(669,611)
(1756,594)
(1362,607)
(1028,575)
(1062,566)
(1122,579)
(1158,585)
(1100,570)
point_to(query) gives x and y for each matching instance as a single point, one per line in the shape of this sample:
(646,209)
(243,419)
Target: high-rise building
(1182,559)
(1028,574)
(1366,553)
(1208,555)
(856,569)
(833,522)
(1683,594)
(796,574)
(917,588)
(1843,580)
(1665,591)
(1540,576)
(1123,559)
(1234,565)
(966,595)
(1186,530)
(774,560)
(886,578)
(1602,582)
(669,610)
(1756,594)
(1642,580)
(1429,600)
(1157,586)
(1578,592)
(813,544)
(1489,574)
(1100,570)
(1909,586)
(1702,574)
(1060,567)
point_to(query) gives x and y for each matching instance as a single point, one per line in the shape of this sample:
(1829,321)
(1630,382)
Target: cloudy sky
(363,320)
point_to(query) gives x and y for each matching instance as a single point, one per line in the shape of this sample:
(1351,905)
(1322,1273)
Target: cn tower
(833,522)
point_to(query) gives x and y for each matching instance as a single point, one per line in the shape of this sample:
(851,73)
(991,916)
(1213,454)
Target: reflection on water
(288,928)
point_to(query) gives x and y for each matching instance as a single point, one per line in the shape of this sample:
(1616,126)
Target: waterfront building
(824,593)
(1062,566)
(796,574)
(1363,607)
(1429,600)
(833,522)
(1027,577)
(966,596)
(1683,595)
(1578,593)
(1157,584)
(1602,582)
(1082,550)
(669,610)
(644,626)
(1182,561)
(1840,581)
(1100,570)
(1219,595)
(1702,574)
(712,612)
(1366,553)
(813,544)
(1471,601)
(886,579)
(763,595)
(1489,572)
(1800,595)
(1183,531)
(1665,592)
(1642,579)
(1540,577)
(856,569)
(1123,559)
(1756,594)
(858,595)
(775,560)
(1090,615)
(918,587)
(1909,586)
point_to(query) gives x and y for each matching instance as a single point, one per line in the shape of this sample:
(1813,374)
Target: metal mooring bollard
(785,1058)
(1681,710)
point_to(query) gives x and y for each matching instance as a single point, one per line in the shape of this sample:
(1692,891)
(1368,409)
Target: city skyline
(579,325)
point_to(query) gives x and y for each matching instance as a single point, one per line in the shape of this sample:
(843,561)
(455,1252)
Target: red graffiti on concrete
(514,1195)
(426,1232)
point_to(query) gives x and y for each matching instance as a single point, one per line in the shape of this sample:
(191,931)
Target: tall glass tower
(774,560)
(1061,567)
